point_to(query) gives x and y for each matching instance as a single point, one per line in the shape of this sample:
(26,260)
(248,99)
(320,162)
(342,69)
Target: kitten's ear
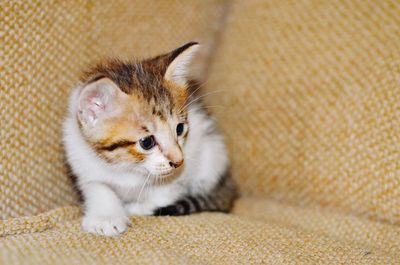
(178,61)
(96,100)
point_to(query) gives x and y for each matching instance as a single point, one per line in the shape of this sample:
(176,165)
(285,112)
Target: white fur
(112,193)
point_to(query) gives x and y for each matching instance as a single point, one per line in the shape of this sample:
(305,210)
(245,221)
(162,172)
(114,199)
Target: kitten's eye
(179,129)
(147,142)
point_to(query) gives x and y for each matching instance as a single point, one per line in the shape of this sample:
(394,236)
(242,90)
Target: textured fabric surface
(310,102)
(259,232)
(44,47)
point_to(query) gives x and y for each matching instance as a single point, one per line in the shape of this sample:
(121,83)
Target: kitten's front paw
(105,226)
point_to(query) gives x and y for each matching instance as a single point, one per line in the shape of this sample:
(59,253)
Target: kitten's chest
(129,193)
(145,194)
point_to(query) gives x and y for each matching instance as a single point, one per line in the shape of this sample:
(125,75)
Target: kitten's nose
(174,156)
(176,164)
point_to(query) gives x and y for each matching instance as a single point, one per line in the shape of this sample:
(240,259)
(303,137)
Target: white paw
(105,226)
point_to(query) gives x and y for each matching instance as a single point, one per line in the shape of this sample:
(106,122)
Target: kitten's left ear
(178,61)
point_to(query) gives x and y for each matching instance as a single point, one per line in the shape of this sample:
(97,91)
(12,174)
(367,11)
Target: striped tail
(220,199)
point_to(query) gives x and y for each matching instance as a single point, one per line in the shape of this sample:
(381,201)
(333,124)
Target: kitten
(140,143)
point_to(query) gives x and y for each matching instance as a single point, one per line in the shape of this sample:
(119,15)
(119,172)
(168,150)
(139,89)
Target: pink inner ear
(95,105)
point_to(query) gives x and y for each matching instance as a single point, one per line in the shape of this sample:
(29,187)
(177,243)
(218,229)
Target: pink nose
(176,164)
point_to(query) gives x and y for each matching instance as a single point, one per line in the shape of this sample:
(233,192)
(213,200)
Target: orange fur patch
(137,155)
(179,93)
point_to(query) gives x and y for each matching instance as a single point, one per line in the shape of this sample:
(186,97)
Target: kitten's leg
(161,197)
(135,208)
(104,214)
(219,199)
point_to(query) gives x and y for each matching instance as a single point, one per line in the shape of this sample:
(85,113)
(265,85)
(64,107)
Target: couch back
(44,47)
(310,102)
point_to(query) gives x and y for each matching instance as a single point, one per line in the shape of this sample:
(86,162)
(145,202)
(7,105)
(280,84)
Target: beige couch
(306,92)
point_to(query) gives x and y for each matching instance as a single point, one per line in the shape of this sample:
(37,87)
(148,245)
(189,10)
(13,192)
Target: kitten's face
(134,114)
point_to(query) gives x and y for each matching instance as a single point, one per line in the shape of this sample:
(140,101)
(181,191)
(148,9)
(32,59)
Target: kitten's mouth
(164,174)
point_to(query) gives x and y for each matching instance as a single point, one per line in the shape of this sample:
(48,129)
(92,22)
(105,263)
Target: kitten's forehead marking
(144,81)
(151,102)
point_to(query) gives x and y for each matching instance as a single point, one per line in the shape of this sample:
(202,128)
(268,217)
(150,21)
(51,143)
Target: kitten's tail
(220,199)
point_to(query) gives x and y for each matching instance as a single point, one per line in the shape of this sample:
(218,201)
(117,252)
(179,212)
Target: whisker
(198,98)
(141,189)
(207,107)
(161,181)
(197,89)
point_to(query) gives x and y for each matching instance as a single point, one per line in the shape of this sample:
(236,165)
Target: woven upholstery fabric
(259,232)
(44,47)
(306,92)
(310,102)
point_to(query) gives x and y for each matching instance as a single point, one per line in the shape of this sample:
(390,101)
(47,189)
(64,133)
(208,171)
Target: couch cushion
(260,232)
(44,46)
(309,102)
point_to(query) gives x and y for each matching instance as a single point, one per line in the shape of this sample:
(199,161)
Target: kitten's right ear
(96,100)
